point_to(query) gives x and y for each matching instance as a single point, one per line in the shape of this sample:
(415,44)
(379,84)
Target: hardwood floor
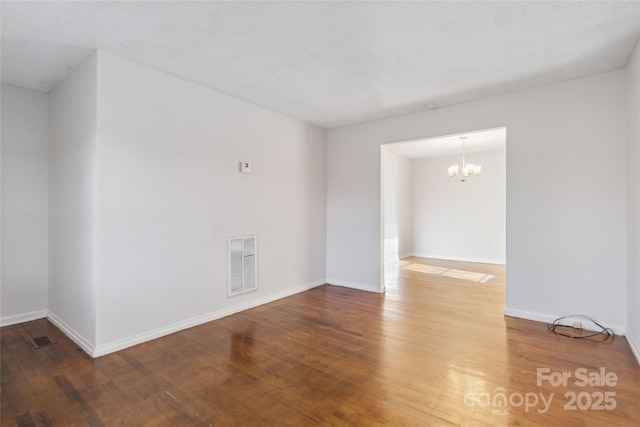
(433,350)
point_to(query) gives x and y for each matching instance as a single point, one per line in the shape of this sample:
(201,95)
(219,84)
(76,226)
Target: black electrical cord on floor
(556,324)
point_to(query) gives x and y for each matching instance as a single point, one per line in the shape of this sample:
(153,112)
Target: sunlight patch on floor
(450,272)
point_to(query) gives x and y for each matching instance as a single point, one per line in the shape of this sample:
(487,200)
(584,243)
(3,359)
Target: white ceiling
(328,63)
(484,140)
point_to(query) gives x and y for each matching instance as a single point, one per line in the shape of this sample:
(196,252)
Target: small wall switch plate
(245,167)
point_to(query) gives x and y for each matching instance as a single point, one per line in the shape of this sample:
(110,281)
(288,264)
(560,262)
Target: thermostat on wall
(245,167)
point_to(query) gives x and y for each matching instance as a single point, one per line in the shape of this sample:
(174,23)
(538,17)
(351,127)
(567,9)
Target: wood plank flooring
(433,350)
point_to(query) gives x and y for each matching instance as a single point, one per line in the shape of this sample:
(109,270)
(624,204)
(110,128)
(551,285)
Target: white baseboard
(130,341)
(77,338)
(549,318)
(635,348)
(353,285)
(463,259)
(23,317)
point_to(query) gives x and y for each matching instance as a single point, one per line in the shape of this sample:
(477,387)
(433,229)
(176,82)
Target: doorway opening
(427,214)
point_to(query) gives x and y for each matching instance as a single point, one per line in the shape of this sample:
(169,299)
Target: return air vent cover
(242,267)
(40,342)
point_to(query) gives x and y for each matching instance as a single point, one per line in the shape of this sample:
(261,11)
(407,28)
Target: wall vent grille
(242,266)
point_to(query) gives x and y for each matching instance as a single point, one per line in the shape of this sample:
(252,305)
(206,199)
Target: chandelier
(468,170)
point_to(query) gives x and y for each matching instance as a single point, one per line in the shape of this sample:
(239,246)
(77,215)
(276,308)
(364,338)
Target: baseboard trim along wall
(21,318)
(121,344)
(353,285)
(111,347)
(72,334)
(463,259)
(635,348)
(549,318)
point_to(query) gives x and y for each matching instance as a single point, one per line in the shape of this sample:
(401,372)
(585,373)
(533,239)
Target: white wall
(144,189)
(170,193)
(397,206)
(24,205)
(72,203)
(456,220)
(566,201)
(633,206)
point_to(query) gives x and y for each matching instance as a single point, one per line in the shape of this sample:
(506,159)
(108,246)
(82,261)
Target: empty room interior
(320,213)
